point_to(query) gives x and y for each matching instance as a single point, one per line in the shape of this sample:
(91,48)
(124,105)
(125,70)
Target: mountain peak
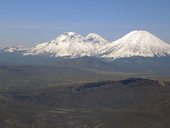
(143,38)
(68,37)
(139,33)
(70,33)
(139,43)
(93,37)
(68,44)
(14,49)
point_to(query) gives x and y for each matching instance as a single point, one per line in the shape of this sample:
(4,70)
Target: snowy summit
(138,43)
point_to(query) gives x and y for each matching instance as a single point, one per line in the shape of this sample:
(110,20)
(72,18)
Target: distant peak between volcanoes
(95,38)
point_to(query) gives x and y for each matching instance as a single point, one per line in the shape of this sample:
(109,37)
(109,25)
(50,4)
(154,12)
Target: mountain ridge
(71,44)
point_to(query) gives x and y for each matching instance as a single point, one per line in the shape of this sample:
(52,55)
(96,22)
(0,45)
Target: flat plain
(74,97)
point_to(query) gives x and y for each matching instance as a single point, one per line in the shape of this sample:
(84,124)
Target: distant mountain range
(73,45)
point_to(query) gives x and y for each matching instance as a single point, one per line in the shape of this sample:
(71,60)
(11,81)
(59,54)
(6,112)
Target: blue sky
(28,22)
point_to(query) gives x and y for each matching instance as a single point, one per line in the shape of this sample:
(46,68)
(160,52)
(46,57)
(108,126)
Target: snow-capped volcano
(137,43)
(69,44)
